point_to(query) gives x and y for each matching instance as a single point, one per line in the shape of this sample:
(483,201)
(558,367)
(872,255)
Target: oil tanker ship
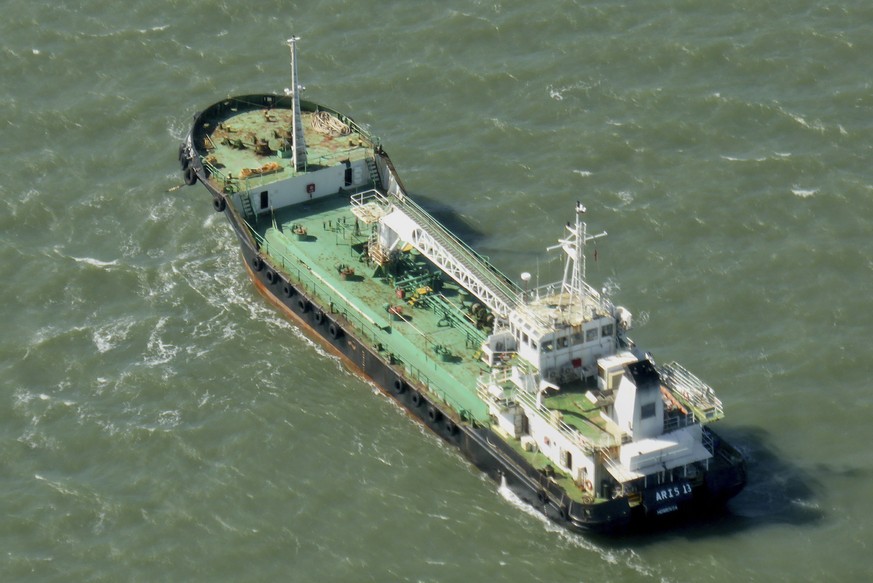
(538,386)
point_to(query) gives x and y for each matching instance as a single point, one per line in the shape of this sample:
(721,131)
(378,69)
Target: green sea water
(160,422)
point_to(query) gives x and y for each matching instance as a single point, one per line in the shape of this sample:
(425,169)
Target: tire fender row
(287,291)
(421,407)
(189,173)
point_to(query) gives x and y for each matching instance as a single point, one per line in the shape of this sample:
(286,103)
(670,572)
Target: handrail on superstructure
(574,435)
(509,287)
(530,402)
(699,396)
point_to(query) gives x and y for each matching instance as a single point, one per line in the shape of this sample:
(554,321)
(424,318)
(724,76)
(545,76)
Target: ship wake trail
(625,557)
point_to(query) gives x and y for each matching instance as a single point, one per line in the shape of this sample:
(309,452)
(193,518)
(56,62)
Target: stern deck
(242,141)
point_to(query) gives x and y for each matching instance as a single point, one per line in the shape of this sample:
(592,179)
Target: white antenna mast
(574,247)
(298,144)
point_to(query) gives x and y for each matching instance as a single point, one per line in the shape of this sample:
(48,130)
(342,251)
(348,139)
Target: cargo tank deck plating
(319,243)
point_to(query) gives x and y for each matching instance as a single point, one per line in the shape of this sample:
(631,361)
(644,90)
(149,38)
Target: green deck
(577,410)
(434,340)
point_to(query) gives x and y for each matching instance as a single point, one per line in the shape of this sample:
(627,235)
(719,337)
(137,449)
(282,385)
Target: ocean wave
(765,158)
(557,93)
(160,352)
(109,335)
(95,262)
(626,197)
(738,159)
(803,192)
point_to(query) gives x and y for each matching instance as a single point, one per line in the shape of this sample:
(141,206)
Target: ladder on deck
(375,179)
(246,202)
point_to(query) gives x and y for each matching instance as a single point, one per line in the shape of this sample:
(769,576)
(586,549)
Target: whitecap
(583,173)
(799,119)
(803,193)
(162,352)
(154,29)
(103,342)
(170,418)
(499,124)
(625,197)
(807,504)
(56,485)
(95,262)
(737,159)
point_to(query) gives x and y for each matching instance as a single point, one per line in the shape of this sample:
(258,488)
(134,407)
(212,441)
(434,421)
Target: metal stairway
(246,200)
(375,179)
(451,255)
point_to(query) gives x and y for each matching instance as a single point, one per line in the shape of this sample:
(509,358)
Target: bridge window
(606,330)
(591,334)
(647,411)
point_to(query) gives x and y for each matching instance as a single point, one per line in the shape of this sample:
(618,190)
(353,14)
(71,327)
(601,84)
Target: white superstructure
(569,383)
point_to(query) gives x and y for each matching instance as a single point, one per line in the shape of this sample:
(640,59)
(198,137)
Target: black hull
(479,445)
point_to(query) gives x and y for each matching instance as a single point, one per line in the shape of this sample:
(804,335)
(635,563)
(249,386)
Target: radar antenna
(573,286)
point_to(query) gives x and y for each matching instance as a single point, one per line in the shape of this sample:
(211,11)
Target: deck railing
(546,414)
(697,395)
